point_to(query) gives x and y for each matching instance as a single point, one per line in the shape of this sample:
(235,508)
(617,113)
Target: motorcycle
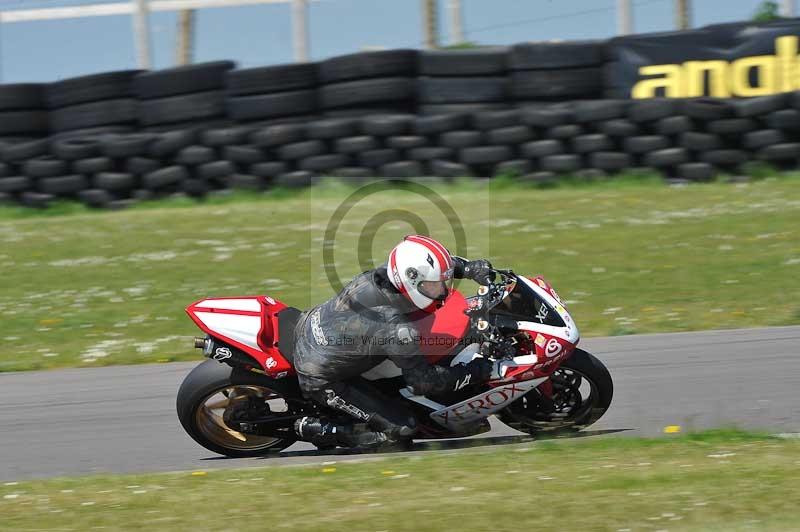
(244,400)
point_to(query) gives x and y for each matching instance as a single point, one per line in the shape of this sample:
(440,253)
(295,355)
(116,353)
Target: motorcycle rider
(370,320)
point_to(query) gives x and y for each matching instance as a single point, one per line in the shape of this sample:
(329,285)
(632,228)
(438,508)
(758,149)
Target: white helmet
(422,270)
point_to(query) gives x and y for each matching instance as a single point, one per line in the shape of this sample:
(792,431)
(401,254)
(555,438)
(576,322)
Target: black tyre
(472,62)
(542,148)
(378,158)
(323,163)
(561,163)
(277,78)
(71,149)
(278,135)
(265,106)
(760,105)
(331,128)
(164,177)
(224,136)
(386,125)
(268,169)
(197,106)
(141,165)
(194,155)
(15,185)
(591,143)
(449,169)
(511,135)
(485,155)
(182,80)
(766,137)
(297,179)
(583,391)
(788,119)
(365,92)
(94,197)
(67,185)
(127,145)
(666,157)
(244,155)
(357,144)
(696,171)
(430,153)
(438,109)
(171,142)
(212,381)
(462,90)
(645,143)
(652,109)
(610,161)
(363,65)
(598,111)
(544,84)
(103,113)
(566,54)
(91,88)
(45,166)
(696,141)
(565,131)
(731,126)
(22,151)
(114,181)
(725,158)
(215,171)
(301,150)
(546,117)
(707,108)
(406,142)
(486,120)
(787,151)
(673,125)
(432,125)
(246,182)
(461,139)
(21,96)
(402,169)
(619,128)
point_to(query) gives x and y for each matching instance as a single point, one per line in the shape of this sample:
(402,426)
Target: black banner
(724,60)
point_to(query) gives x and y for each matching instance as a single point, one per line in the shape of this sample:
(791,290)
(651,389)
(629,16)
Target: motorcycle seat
(287,320)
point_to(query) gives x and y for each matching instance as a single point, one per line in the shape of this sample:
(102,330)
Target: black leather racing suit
(366,323)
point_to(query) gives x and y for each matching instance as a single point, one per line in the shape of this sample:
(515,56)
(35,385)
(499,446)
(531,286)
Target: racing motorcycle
(244,400)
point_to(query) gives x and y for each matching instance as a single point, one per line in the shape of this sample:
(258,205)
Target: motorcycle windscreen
(525,305)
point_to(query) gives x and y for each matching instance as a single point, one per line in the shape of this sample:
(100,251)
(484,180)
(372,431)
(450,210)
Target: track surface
(122,419)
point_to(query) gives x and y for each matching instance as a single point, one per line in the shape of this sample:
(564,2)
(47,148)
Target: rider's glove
(479,271)
(480,369)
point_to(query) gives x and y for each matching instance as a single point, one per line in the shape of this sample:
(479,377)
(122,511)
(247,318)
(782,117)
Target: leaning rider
(337,342)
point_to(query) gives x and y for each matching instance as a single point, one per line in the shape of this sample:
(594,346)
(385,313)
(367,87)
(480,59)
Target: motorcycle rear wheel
(583,390)
(209,390)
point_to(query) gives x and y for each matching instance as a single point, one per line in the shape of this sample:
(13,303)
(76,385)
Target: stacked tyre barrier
(531,110)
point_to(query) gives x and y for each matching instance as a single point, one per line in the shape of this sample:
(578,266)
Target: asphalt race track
(122,419)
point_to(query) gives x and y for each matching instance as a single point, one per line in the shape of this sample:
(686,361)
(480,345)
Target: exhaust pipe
(199,343)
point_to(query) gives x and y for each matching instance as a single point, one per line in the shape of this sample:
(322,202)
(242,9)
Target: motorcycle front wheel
(582,393)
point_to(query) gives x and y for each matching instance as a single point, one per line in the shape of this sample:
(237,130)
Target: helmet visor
(438,290)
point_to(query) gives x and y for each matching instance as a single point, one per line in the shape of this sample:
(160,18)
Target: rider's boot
(326,434)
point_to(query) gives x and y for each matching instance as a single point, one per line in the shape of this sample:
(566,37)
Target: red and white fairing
(248,323)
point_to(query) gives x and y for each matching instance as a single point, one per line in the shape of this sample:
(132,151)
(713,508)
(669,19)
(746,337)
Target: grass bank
(722,480)
(629,256)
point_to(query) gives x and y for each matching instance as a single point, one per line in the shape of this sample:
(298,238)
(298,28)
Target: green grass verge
(722,480)
(628,256)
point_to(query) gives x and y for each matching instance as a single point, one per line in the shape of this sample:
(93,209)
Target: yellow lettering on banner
(695,78)
(722,79)
(767,81)
(670,82)
(788,67)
